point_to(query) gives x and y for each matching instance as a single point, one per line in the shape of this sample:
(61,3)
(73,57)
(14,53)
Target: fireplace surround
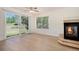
(70,37)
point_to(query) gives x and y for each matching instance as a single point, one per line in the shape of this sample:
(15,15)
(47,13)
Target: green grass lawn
(11,33)
(12,30)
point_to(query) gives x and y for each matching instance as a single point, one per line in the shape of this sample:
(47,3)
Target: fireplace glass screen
(71,31)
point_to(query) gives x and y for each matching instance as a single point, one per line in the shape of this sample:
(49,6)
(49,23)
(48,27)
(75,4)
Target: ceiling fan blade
(36,10)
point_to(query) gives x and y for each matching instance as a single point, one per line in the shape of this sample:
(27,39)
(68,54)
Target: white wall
(56,20)
(2,25)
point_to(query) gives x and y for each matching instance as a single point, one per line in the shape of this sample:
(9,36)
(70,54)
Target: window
(42,22)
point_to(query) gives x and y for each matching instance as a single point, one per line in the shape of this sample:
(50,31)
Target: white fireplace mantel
(71,20)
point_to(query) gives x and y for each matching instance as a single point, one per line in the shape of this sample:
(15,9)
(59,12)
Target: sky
(9,14)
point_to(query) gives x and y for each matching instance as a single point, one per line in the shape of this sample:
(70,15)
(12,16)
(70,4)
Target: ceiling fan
(33,9)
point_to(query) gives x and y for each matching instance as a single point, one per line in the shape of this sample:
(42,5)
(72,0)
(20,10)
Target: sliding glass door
(24,26)
(15,24)
(11,24)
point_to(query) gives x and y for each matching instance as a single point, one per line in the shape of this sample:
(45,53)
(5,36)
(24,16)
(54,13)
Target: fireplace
(71,31)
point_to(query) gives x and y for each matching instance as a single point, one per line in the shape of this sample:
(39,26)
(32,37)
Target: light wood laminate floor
(33,42)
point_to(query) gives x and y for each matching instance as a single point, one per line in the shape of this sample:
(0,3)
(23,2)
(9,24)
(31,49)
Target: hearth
(71,31)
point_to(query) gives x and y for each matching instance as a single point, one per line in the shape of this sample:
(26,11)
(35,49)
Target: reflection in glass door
(24,26)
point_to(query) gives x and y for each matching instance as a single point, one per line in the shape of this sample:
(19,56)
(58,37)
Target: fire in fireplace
(71,31)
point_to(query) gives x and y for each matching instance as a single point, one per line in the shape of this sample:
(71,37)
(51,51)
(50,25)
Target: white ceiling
(25,9)
(42,9)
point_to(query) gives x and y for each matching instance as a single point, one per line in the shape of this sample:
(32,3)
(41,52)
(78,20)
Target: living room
(42,31)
